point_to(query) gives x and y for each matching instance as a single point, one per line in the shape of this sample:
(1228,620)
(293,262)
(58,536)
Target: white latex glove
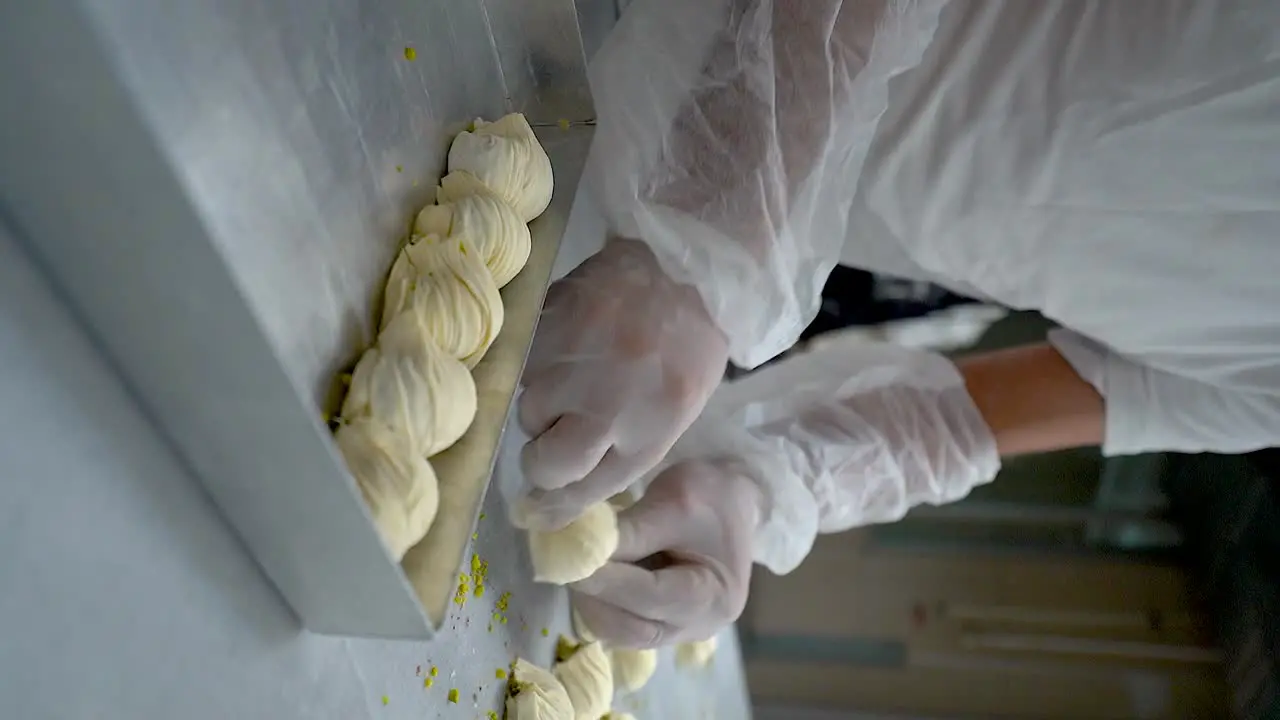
(623,361)
(851,434)
(796,449)
(683,563)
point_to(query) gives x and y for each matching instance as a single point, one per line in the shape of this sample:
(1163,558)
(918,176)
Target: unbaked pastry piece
(398,484)
(442,288)
(498,234)
(625,499)
(580,627)
(533,693)
(587,676)
(577,550)
(408,385)
(632,669)
(506,157)
(696,654)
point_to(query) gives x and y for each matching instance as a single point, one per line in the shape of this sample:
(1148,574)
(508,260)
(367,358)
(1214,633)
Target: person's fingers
(566,453)
(647,528)
(668,595)
(620,628)
(662,519)
(557,508)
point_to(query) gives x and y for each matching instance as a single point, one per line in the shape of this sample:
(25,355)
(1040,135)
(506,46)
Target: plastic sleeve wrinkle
(744,191)
(866,434)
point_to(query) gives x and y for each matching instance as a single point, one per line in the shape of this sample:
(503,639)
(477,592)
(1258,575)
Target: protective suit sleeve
(1152,410)
(731,137)
(842,437)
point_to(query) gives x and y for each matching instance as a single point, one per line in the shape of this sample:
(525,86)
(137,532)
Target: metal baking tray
(217,188)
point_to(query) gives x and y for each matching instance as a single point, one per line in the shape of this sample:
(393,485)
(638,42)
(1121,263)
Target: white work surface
(123,594)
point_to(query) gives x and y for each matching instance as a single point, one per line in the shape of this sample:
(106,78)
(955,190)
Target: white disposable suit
(1114,165)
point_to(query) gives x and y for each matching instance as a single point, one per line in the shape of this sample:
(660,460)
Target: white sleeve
(1151,410)
(851,434)
(731,137)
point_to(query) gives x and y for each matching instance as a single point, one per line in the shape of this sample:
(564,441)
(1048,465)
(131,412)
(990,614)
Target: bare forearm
(1033,400)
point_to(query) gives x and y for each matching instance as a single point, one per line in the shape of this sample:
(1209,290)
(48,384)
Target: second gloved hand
(683,562)
(850,435)
(623,362)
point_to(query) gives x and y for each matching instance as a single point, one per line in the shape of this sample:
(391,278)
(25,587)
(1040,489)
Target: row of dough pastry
(412,394)
(581,684)
(578,687)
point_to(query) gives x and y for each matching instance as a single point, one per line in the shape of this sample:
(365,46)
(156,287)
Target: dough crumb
(533,693)
(587,676)
(576,551)
(696,654)
(632,669)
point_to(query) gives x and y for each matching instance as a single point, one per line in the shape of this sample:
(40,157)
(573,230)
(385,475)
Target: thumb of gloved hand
(683,563)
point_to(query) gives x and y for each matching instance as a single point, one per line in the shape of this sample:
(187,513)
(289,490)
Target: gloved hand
(741,195)
(683,562)
(850,435)
(623,361)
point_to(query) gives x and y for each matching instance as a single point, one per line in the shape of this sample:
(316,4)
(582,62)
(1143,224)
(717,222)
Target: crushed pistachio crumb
(566,648)
(479,573)
(464,586)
